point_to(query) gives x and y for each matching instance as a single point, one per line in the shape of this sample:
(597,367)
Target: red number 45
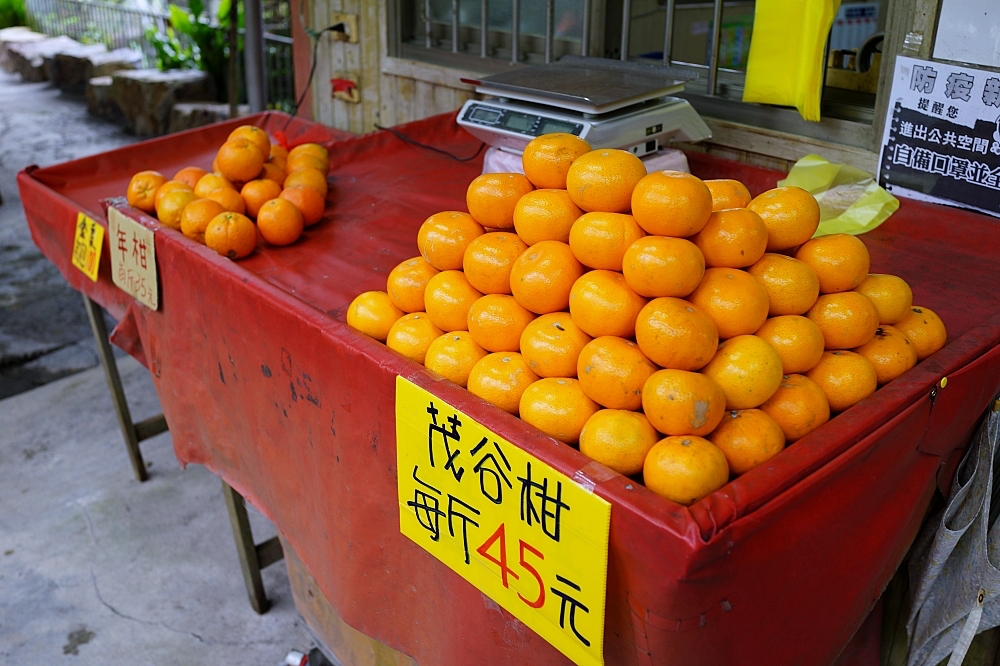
(500,535)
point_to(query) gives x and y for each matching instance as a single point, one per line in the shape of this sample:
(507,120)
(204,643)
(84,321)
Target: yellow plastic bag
(785,65)
(850,201)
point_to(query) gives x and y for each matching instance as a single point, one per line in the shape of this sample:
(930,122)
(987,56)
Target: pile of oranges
(671,326)
(252,180)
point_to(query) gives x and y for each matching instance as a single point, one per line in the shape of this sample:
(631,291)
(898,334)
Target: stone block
(146,96)
(66,68)
(188,115)
(99,101)
(12,36)
(106,64)
(28,58)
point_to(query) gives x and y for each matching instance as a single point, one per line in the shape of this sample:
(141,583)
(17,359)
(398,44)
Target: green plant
(12,13)
(211,42)
(171,53)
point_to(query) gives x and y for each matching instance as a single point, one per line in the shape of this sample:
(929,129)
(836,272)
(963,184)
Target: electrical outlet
(350,21)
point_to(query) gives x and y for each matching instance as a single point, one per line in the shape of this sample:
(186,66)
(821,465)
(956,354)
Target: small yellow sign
(87,243)
(525,534)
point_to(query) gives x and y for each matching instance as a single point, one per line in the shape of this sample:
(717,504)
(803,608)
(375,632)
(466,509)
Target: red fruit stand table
(262,381)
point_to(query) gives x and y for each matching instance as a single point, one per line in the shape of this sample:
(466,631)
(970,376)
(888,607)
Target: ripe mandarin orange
(847,319)
(492,197)
(496,322)
(599,240)
(733,238)
(798,341)
(453,356)
(545,215)
(748,438)
(890,352)
(671,203)
(734,299)
(239,160)
(141,192)
(314,149)
(280,222)
(309,202)
(747,369)
(791,285)
(278,152)
(685,469)
(209,183)
(500,379)
(924,329)
(489,259)
(258,192)
(547,158)
(189,176)
(308,177)
(676,334)
(846,378)
(660,266)
(890,295)
(790,214)
(412,335)
(167,187)
(255,135)
(273,171)
(444,237)
(373,314)
(558,407)
(799,406)
(619,439)
(171,205)
(551,344)
(406,284)
(612,372)
(603,180)
(602,303)
(678,402)
(229,199)
(841,261)
(231,234)
(302,161)
(448,298)
(544,274)
(728,193)
(197,215)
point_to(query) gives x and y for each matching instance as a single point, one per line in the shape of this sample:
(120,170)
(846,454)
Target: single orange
(847,319)
(496,322)
(599,240)
(890,295)
(558,407)
(373,314)
(209,183)
(278,152)
(799,406)
(171,206)
(676,334)
(544,274)
(197,215)
(602,303)
(618,439)
(313,149)
(660,266)
(924,329)
(141,192)
(167,187)
(890,352)
(603,180)
(489,259)
(612,372)
(547,158)
(734,299)
(791,215)
(280,222)
(406,284)
(444,237)
(258,192)
(229,199)
(748,438)
(308,177)
(240,160)
(841,261)
(453,356)
(685,469)
(545,215)
(671,203)
(231,234)
(412,335)
(309,202)
(492,197)
(255,135)
(846,378)
(448,298)
(551,344)
(733,238)
(189,176)
(302,161)
(798,341)
(748,370)
(679,402)
(273,171)
(791,285)
(500,379)
(728,193)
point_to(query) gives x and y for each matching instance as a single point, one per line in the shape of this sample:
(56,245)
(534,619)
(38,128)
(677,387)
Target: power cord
(414,142)
(337,27)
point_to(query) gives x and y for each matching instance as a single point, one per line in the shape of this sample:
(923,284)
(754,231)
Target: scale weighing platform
(609,104)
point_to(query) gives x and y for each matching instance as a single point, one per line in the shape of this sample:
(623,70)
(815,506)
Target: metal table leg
(253,557)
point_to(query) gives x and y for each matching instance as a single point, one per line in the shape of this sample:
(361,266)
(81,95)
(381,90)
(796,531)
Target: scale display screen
(548,126)
(514,121)
(486,115)
(519,122)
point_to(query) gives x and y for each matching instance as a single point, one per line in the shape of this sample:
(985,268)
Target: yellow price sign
(525,534)
(87,242)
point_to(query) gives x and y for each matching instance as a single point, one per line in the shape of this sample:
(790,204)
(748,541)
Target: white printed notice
(133,258)
(942,135)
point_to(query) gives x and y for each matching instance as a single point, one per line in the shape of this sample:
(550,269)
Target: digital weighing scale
(607,103)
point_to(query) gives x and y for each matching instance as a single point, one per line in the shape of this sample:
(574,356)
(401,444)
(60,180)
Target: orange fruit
(799,406)
(209,183)
(685,469)
(258,192)
(278,152)
(678,402)
(412,335)
(924,329)
(448,298)
(790,214)
(169,186)
(890,352)
(551,344)
(847,319)
(599,240)
(496,322)
(273,171)
(444,237)
(747,369)
(846,378)
(798,341)
(229,199)
(308,177)
(671,203)
(231,234)
(890,295)
(197,215)
(603,180)
(558,407)
(748,438)
(612,372)
(255,135)
(313,149)
(189,176)
(619,439)
(602,303)
(734,299)
(660,266)
(141,192)
(373,314)
(302,161)
(453,356)
(488,261)
(841,261)
(171,205)
(492,197)
(309,202)
(676,334)
(547,158)
(545,215)
(240,160)
(500,379)
(732,238)
(727,193)
(791,285)
(406,284)
(215,165)
(544,274)
(280,222)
